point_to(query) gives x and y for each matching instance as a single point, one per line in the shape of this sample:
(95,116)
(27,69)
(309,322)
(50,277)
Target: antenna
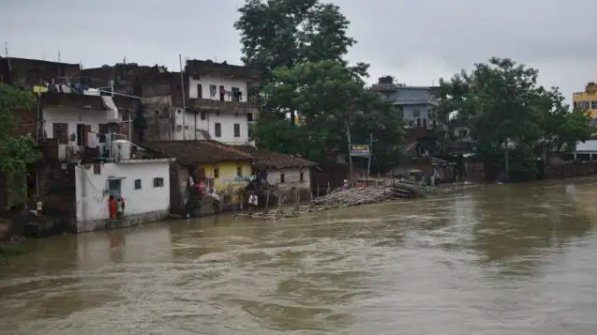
(7,58)
(58,55)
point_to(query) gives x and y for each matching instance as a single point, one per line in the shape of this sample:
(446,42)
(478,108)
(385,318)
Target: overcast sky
(416,41)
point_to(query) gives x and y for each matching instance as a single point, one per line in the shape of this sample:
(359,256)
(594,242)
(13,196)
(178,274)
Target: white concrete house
(144,184)
(219,102)
(75,123)
(88,157)
(213,102)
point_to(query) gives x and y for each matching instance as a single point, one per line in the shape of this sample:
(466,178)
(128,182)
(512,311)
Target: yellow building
(587,100)
(226,176)
(224,169)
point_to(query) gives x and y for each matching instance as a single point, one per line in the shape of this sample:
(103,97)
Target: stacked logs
(366,195)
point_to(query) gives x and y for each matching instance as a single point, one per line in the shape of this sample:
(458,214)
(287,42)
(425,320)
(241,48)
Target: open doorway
(114,188)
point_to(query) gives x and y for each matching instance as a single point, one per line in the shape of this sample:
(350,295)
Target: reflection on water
(503,259)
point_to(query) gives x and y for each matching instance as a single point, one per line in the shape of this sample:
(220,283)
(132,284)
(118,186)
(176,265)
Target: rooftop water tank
(121,150)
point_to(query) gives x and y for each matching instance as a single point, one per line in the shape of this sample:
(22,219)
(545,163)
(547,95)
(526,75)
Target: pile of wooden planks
(366,195)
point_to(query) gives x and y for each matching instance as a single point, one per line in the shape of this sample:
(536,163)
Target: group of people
(116,207)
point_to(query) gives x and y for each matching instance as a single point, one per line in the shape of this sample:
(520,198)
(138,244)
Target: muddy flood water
(499,259)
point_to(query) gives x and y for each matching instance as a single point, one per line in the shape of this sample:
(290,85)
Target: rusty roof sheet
(189,153)
(275,159)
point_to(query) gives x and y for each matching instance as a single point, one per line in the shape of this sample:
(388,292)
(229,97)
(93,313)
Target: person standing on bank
(120,207)
(112,207)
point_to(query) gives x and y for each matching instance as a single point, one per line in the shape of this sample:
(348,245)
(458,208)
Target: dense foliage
(514,120)
(283,33)
(298,46)
(15,151)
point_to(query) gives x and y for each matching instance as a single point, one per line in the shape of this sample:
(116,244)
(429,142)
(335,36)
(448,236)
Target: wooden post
(328,191)
(298,200)
(349,140)
(267,201)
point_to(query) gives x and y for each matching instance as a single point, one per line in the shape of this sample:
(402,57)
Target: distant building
(285,172)
(586,151)
(587,100)
(25,73)
(208,101)
(416,103)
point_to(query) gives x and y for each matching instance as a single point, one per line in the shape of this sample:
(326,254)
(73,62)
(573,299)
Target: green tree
(282,33)
(15,151)
(511,117)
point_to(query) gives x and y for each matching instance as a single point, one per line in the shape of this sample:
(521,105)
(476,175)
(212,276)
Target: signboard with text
(360,150)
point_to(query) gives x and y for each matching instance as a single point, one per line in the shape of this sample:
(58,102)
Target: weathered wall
(72,117)
(228,182)
(158,116)
(179,194)
(92,196)
(291,182)
(292,178)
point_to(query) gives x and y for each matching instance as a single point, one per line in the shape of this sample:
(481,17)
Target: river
(497,259)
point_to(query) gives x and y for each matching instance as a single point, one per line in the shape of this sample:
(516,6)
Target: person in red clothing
(112,207)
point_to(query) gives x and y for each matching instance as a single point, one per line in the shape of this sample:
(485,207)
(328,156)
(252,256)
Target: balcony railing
(237,106)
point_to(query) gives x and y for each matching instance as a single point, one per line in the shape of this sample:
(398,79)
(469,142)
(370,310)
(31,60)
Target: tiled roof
(198,152)
(274,159)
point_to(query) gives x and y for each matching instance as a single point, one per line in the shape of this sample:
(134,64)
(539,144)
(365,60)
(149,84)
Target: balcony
(223,106)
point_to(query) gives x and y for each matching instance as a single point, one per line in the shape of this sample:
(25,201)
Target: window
(203,116)
(418,123)
(424,123)
(218,129)
(416,113)
(593,104)
(301,177)
(250,117)
(462,133)
(216,173)
(222,93)
(137,184)
(199,92)
(158,182)
(82,135)
(282,178)
(178,129)
(239,171)
(61,132)
(236,94)
(212,90)
(236,130)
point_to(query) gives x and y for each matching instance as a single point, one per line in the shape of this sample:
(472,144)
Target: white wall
(291,178)
(185,123)
(72,117)
(206,81)
(91,188)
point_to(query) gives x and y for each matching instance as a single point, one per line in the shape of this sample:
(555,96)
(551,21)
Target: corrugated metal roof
(590,145)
